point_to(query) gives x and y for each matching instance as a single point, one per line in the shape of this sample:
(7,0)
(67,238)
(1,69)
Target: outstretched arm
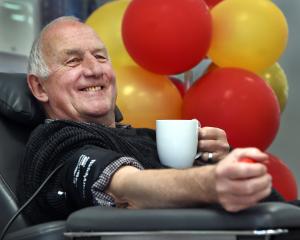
(163,188)
(233,184)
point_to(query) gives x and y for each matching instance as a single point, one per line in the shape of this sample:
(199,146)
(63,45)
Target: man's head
(70,73)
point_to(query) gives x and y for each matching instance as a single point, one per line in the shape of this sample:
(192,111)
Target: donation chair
(20,113)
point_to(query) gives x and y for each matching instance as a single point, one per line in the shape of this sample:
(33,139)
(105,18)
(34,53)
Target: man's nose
(91,67)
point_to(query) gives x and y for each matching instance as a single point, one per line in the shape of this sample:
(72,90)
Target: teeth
(93,89)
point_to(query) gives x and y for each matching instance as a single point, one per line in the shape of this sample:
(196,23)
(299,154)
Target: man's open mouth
(93,89)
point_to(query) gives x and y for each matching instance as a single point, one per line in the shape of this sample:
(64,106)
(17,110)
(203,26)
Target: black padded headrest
(18,104)
(16,101)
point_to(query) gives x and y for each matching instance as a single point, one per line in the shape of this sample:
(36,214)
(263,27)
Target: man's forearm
(163,188)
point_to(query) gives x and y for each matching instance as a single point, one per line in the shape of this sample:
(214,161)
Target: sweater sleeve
(82,170)
(100,197)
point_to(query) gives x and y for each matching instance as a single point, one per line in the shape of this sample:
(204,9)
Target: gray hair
(36,63)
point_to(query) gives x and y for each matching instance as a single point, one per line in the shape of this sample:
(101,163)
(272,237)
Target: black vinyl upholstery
(45,231)
(19,113)
(268,215)
(16,101)
(12,144)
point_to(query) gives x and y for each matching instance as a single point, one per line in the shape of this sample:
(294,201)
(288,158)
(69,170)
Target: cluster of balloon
(250,35)
(243,39)
(169,36)
(239,102)
(246,35)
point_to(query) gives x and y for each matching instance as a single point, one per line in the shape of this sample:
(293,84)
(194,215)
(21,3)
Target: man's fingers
(211,133)
(253,153)
(213,146)
(234,203)
(244,171)
(247,187)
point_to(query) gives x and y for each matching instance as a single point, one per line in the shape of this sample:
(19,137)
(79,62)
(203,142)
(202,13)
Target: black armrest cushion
(262,216)
(45,231)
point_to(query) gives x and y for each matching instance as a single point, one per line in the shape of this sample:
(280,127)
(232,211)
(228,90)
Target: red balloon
(212,3)
(283,179)
(239,102)
(167,36)
(179,85)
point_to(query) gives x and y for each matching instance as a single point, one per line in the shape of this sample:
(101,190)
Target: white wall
(19,23)
(14,63)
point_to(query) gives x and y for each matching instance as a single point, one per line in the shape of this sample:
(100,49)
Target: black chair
(20,113)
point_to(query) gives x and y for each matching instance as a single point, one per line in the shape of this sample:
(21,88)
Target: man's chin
(99,115)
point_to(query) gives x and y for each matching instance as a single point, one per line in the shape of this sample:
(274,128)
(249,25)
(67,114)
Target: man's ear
(37,88)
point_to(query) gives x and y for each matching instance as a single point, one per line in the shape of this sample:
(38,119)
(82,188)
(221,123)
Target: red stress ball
(247,160)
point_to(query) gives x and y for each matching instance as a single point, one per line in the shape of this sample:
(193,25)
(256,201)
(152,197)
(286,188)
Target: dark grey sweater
(62,141)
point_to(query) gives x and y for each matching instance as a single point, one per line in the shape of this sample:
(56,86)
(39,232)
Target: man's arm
(232,184)
(163,188)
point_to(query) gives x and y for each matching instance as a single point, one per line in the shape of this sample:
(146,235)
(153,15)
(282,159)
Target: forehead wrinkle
(74,51)
(78,51)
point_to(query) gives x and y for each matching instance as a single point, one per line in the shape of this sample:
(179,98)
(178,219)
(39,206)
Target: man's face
(81,85)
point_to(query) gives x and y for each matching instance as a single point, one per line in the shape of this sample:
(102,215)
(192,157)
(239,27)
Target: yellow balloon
(249,34)
(107,22)
(276,78)
(144,97)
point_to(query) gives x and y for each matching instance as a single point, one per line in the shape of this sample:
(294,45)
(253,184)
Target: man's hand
(239,184)
(213,141)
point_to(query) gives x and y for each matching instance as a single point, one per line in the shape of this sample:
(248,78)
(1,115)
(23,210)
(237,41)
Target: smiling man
(81,84)
(106,163)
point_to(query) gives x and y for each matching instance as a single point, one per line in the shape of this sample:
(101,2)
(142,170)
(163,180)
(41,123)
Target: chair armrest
(45,231)
(263,216)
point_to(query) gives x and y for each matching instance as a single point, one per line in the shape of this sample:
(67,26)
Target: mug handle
(198,155)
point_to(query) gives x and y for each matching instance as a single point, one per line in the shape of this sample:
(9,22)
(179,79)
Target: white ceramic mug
(177,142)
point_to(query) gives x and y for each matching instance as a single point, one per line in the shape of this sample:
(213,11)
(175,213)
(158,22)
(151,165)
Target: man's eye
(73,62)
(100,58)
